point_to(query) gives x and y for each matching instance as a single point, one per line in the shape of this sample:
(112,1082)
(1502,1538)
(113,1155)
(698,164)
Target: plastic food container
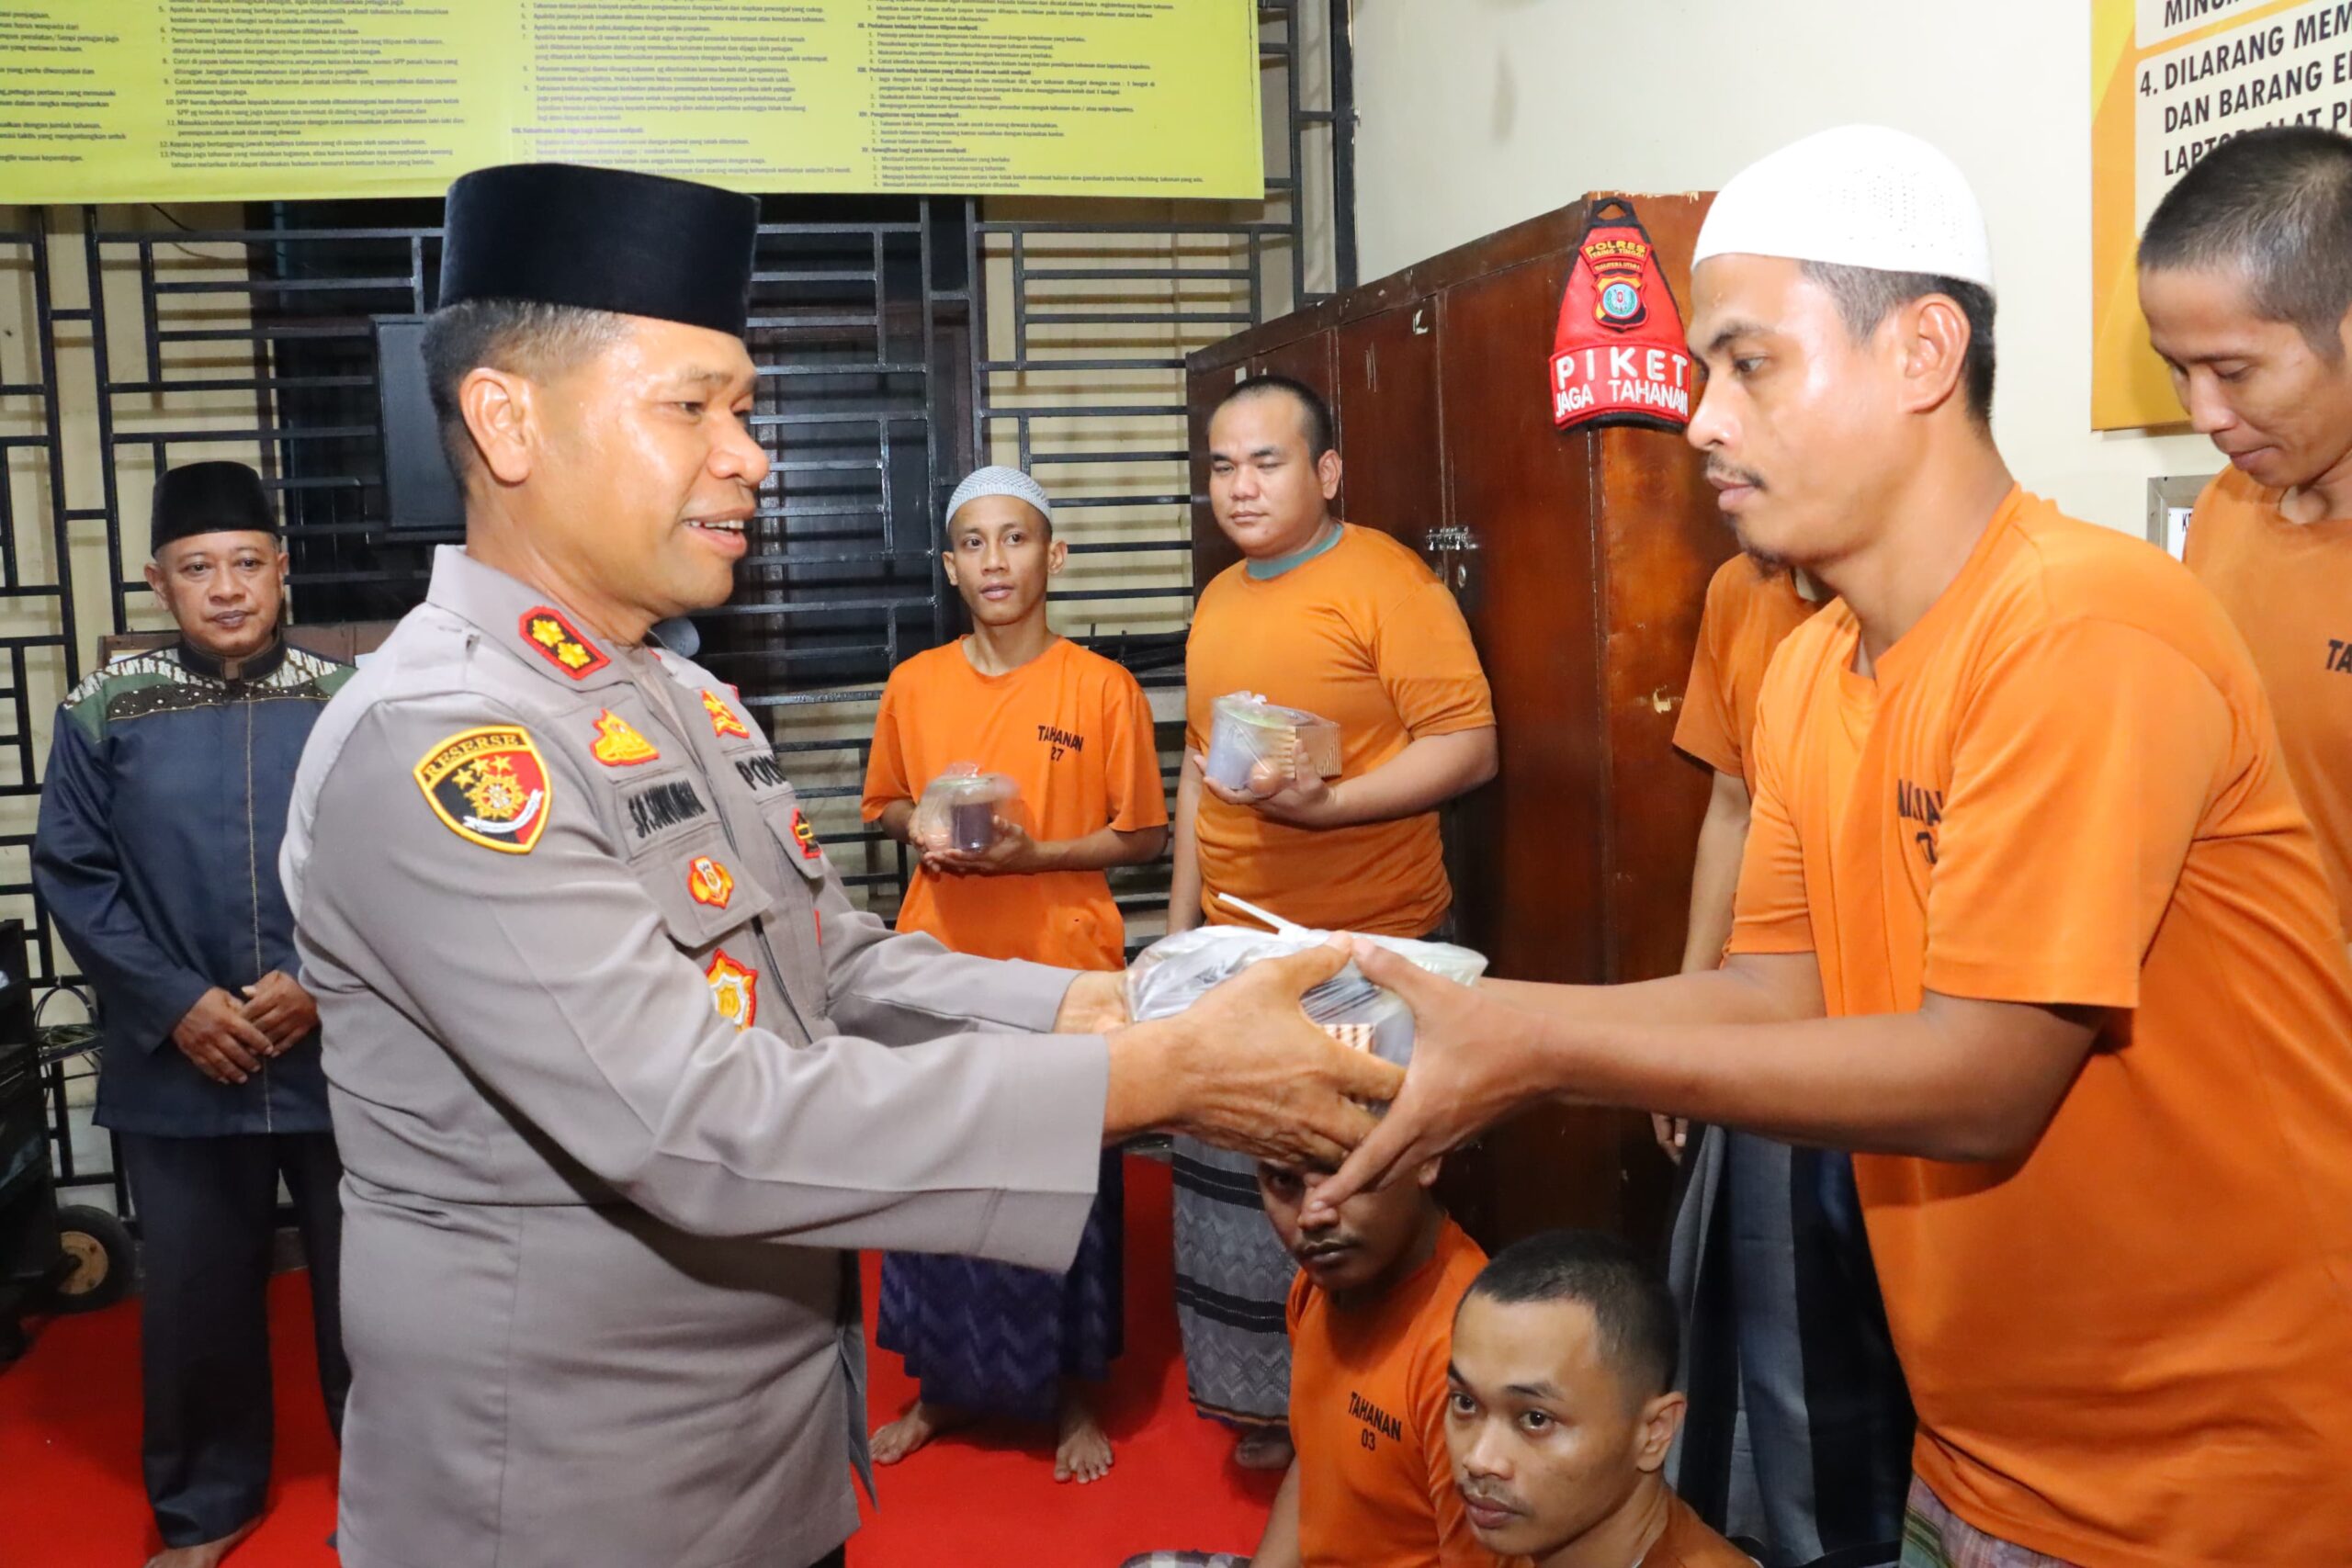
(1252,743)
(1172,973)
(959,808)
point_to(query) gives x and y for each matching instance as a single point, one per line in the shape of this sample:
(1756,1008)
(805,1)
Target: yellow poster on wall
(182,100)
(2171,80)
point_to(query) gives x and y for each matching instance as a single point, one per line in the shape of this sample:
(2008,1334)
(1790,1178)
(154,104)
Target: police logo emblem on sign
(618,745)
(723,722)
(708,882)
(489,786)
(734,990)
(559,642)
(1621,302)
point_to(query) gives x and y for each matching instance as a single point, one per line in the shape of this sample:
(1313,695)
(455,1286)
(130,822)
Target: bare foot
(1081,1449)
(1264,1448)
(895,1440)
(208,1555)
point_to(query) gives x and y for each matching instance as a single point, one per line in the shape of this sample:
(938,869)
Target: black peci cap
(210,498)
(601,239)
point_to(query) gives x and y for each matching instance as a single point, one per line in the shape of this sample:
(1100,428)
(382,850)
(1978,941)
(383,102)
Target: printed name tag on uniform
(708,882)
(560,643)
(618,745)
(489,786)
(734,990)
(723,722)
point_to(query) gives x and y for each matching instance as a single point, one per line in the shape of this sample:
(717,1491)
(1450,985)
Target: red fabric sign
(1619,356)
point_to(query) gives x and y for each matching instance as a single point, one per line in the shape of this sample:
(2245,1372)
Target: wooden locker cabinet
(1581,560)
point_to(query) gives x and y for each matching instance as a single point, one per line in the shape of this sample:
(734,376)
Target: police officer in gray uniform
(616,1066)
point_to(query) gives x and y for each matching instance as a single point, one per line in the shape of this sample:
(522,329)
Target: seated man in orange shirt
(1371,1314)
(1073,731)
(1347,624)
(2030,920)
(2246,277)
(1561,1411)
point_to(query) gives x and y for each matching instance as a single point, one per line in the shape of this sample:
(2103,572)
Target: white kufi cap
(1857,196)
(997,479)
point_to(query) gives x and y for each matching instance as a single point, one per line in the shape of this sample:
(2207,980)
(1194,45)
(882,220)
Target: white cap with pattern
(997,479)
(1858,196)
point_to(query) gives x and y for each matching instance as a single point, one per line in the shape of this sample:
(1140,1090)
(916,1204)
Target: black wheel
(102,1261)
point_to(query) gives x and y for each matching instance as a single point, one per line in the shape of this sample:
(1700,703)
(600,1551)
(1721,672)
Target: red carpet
(70,1492)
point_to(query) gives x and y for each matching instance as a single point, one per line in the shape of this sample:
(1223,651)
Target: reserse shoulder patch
(489,786)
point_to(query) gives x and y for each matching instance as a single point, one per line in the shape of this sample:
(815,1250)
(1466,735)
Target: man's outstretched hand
(1243,1068)
(1096,1003)
(1474,1064)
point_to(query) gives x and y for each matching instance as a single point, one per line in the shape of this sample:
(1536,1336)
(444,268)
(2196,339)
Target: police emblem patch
(734,990)
(708,882)
(559,642)
(618,745)
(803,835)
(489,786)
(723,722)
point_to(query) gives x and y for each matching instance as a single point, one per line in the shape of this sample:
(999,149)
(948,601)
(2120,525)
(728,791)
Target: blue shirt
(156,858)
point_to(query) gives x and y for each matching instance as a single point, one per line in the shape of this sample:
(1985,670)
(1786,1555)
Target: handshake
(1267,1043)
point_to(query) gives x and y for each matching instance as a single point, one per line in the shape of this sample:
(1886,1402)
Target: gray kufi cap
(997,479)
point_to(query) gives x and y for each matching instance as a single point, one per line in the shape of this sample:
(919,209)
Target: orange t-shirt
(1688,1542)
(2133,1348)
(1748,612)
(1074,731)
(1366,635)
(2289,587)
(1367,1412)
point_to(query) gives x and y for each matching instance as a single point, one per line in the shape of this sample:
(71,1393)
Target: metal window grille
(899,341)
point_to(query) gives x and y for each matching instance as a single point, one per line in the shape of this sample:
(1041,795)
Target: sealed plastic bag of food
(959,809)
(1173,973)
(1254,745)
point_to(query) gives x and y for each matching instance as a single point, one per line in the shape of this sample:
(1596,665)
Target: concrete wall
(1478,113)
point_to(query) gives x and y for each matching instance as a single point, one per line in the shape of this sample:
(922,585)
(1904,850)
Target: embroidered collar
(253,666)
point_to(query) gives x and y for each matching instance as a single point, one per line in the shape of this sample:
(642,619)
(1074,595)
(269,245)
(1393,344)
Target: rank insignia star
(708,882)
(723,722)
(804,836)
(734,990)
(489,786)
(618,745)
(556,640)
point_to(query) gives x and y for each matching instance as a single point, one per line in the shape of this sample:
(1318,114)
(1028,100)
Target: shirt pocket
(703,888)
(795,837)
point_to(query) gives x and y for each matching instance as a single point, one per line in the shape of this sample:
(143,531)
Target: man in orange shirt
(1798,1435)
(2246,277)
(1073,731)
(1751,605)
(2030,920)
(1560,1411)
(1370,1318)
(1347,624)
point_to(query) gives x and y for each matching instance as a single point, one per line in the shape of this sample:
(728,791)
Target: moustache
(1488,1497)
(1725,474)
